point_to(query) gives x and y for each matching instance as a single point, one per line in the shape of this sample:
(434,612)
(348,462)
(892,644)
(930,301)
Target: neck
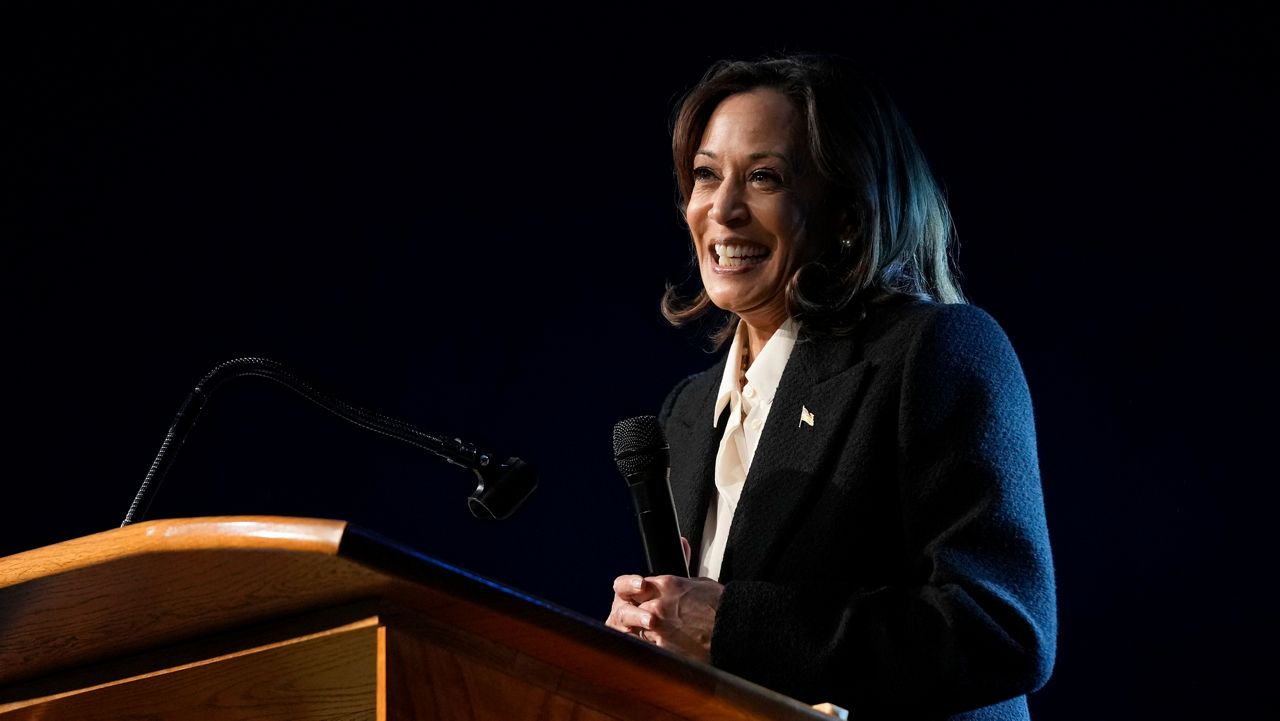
(757,337)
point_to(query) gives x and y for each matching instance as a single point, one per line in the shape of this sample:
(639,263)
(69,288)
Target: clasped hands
(671,612)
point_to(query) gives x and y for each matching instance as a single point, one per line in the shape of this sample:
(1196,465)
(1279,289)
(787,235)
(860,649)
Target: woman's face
(748,207)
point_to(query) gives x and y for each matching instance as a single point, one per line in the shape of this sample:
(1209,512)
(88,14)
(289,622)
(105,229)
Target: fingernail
(637,583)
(645,619)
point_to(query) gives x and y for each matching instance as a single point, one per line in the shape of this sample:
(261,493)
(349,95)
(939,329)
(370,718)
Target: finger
(627,585)
(656,586)
(632,618)
(634,588)
(621,627)
(688,550)
(613,620)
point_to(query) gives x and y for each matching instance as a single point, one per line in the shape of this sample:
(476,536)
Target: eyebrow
(754,156)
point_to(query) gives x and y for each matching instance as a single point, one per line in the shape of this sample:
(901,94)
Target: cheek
(792,224)
(697,230)
(695,215)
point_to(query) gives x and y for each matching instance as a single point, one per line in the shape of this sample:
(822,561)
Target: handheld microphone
(641,451)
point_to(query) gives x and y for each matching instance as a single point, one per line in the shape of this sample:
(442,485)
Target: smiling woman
(872,223)
(857,477)
(748,208)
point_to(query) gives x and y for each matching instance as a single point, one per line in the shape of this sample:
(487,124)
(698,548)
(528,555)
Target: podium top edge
(267,533)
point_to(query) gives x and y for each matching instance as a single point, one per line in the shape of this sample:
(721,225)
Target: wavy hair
(891,233)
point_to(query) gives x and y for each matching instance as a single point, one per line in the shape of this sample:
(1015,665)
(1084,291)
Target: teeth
(739,251)
(733,256)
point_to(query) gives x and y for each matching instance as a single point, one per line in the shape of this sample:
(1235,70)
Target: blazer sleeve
(974,620)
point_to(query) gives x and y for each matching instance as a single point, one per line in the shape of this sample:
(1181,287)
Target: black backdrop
(465,220)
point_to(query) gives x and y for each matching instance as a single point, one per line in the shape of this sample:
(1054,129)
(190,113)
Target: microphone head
(502,490)
(638,443)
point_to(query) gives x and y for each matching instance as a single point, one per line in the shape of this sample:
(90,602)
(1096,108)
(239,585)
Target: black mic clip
(502,487)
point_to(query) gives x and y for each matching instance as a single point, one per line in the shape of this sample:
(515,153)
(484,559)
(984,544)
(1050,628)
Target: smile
(738,256)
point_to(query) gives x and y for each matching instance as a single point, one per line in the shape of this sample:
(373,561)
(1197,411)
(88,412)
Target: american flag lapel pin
(805,417)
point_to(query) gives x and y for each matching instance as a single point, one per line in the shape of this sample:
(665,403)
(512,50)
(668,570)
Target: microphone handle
(659,532)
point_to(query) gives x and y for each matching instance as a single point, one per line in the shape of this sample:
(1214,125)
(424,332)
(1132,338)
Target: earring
(846,243)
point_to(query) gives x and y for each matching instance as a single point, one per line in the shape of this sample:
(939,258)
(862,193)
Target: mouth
(738,255)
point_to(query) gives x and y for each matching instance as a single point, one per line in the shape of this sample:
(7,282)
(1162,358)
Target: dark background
(466,221)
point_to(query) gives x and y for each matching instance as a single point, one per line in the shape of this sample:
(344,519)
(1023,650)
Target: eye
(703,174)
(766,178)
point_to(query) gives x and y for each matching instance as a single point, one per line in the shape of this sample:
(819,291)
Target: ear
(848,222)
(841,226)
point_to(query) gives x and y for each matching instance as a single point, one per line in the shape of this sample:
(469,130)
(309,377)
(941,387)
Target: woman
(857,478)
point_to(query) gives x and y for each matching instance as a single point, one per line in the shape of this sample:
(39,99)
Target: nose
(728,206)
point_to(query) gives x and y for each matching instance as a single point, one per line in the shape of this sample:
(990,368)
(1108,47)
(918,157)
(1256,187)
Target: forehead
(758,120)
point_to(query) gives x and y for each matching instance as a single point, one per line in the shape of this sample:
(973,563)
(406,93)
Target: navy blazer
(892,557)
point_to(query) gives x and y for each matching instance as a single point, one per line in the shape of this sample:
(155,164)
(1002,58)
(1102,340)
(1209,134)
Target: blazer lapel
(819,391)
(693,459)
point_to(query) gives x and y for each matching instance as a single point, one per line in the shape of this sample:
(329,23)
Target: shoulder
(955,360)
(933,356)
(939,322)
(686,397)
(954,337)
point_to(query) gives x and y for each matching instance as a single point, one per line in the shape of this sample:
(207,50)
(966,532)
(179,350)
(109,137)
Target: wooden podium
(297,619)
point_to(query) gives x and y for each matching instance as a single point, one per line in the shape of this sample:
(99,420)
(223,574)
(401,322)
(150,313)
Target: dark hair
(875,178)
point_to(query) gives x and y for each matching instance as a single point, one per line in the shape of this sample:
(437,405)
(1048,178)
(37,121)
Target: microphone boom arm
(502,487)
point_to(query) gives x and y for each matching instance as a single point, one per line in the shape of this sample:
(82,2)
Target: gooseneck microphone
(502,486)
(642,455)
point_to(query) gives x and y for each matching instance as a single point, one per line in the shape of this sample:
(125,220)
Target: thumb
(688,550)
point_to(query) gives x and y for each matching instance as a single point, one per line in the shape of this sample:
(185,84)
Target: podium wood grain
(332,675)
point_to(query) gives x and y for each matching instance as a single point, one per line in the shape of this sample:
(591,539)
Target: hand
(671,612)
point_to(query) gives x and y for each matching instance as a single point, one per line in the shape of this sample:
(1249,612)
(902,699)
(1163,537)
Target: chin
(735,300)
